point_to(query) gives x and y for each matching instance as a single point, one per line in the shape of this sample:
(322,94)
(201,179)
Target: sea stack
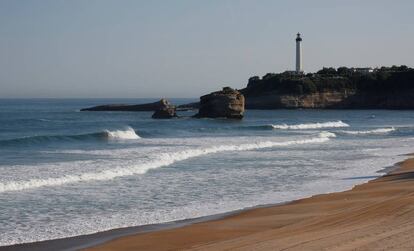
(227,103)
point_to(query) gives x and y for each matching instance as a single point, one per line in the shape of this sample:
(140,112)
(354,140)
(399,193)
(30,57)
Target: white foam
(128,133)
(326,182)
(327,134)
(374,131)
(331,124)
(163,159)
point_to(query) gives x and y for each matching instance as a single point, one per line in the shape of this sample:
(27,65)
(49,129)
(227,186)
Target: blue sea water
(65,173)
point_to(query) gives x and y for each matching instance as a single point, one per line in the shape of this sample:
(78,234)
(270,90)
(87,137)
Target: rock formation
(345,88)
(292,101)
(228,103)
(333,100)
(165,113)
(159,105)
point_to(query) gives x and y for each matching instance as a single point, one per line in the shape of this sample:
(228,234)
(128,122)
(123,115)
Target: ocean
(65,173)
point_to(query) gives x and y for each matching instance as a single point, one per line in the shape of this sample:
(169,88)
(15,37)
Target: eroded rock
(227,103)
(165,113)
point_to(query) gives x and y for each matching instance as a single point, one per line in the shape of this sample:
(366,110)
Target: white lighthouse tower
(299,69)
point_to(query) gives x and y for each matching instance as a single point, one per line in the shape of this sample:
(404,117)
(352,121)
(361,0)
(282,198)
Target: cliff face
(384,89)
(392,100)
(316,100)
(228,103)
(333,100)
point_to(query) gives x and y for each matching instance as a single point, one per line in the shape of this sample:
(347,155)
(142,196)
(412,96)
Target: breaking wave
(127,133)
(331,124)
(163,159)
(374,131)
(327,135)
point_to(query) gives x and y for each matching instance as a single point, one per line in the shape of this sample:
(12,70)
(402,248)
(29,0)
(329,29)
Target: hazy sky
(186,48)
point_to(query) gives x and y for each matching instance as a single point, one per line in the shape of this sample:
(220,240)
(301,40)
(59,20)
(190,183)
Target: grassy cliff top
(393,79)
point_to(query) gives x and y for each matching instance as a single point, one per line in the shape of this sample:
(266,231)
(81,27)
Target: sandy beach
(206,125)
(377,215)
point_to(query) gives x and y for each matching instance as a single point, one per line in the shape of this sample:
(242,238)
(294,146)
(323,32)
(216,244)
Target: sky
(187,48)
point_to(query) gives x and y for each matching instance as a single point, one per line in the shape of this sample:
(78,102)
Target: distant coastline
(329,88)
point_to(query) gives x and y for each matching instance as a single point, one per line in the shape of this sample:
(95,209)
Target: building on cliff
(364,70)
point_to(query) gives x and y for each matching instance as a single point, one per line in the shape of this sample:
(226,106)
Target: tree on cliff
(327,71)
(344,71)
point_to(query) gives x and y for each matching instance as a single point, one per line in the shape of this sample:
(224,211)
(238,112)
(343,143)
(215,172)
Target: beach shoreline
(90,240)
(365,217)
(104,240)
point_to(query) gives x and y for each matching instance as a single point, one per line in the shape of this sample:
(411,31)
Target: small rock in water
(165,113)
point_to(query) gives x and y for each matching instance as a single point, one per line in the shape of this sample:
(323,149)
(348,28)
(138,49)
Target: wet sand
(378,215)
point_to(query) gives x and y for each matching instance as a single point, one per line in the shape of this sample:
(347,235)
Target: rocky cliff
(384,89)
(315,100)
(332,100)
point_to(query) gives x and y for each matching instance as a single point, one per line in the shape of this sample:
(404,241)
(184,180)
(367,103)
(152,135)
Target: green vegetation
(393,79)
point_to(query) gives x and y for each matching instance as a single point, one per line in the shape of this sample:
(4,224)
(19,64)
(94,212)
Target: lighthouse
(299,69)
